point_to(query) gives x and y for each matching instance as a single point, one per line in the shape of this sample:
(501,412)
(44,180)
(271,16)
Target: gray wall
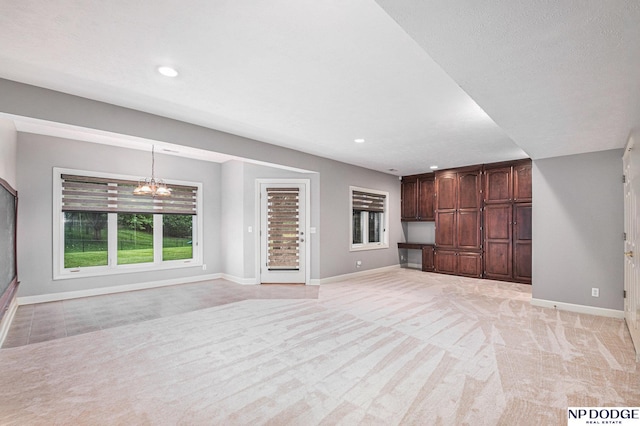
(577,229)
(8,151)
(336,259)
(37,155)
(330,197)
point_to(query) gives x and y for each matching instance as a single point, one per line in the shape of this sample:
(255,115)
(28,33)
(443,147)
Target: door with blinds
(283,233)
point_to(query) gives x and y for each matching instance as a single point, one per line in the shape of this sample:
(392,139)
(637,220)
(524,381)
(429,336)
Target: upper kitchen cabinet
(522,182)
(498,185)
(418,198)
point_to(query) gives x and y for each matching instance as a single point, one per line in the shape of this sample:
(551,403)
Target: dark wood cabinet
(459,221)
(417,202)
(446,228)
(522,242)
(427,258)
(498,241)
(446,191)
(522,188)
(426,198)
(498,186)
(468,229)
(507,222)
(469,190)
(457,262)
(446,261)
(409,199)
(458,207)
(482,216)
(470,264)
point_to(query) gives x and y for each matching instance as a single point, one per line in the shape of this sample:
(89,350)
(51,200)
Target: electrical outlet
(358,263)
(595,292)
(204,266)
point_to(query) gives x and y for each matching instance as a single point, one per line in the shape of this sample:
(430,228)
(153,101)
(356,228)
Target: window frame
(112,268)
(384,238)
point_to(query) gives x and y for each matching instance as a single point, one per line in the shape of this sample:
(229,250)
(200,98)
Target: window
(369,219)
(106,229)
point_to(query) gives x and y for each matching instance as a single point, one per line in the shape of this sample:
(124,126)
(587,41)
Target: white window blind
(364,201)
(87,193)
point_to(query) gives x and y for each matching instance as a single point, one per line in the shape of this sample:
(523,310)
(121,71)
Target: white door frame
(307,214)
(631,261)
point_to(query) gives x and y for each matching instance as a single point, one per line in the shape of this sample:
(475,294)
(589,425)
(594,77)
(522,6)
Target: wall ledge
(581,309)
(55,297)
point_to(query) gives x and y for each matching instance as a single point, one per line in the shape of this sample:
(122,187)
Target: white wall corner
(581,309)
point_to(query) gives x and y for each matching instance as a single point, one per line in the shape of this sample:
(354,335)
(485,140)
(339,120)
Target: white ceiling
(557,77)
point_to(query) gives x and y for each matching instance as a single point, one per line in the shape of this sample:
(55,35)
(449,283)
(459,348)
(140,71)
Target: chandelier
(152,186)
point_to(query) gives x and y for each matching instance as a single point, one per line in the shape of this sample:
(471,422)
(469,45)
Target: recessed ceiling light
(358,140)
(433,167)
(168,71)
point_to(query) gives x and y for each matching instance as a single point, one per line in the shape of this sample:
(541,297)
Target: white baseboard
(7,319)
(55,297)
(238,280)
(581,309)
(355,274)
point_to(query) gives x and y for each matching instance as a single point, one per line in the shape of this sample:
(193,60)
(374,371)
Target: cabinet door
(409,207)
(468,233)
(522,242)
(446,228)
(426,199)
(446,191)
(469,264)
(469,190)
(497,185)
(522,190)
(445,261)
(497,241)
(427,259)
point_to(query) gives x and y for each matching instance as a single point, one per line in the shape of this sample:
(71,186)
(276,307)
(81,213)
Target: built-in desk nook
(427,253)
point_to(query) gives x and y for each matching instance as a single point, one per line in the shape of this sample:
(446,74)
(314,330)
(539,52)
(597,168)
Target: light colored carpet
(402,347)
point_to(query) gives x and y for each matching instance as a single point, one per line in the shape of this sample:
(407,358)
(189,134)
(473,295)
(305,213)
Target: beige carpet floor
(403,347)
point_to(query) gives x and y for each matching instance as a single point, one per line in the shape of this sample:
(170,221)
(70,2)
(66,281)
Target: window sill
(369,247)
(98,271)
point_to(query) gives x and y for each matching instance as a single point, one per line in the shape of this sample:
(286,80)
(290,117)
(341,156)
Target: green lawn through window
(125,257)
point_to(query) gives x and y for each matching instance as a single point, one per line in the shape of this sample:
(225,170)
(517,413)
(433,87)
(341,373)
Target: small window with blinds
(105,228)
(369,219)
